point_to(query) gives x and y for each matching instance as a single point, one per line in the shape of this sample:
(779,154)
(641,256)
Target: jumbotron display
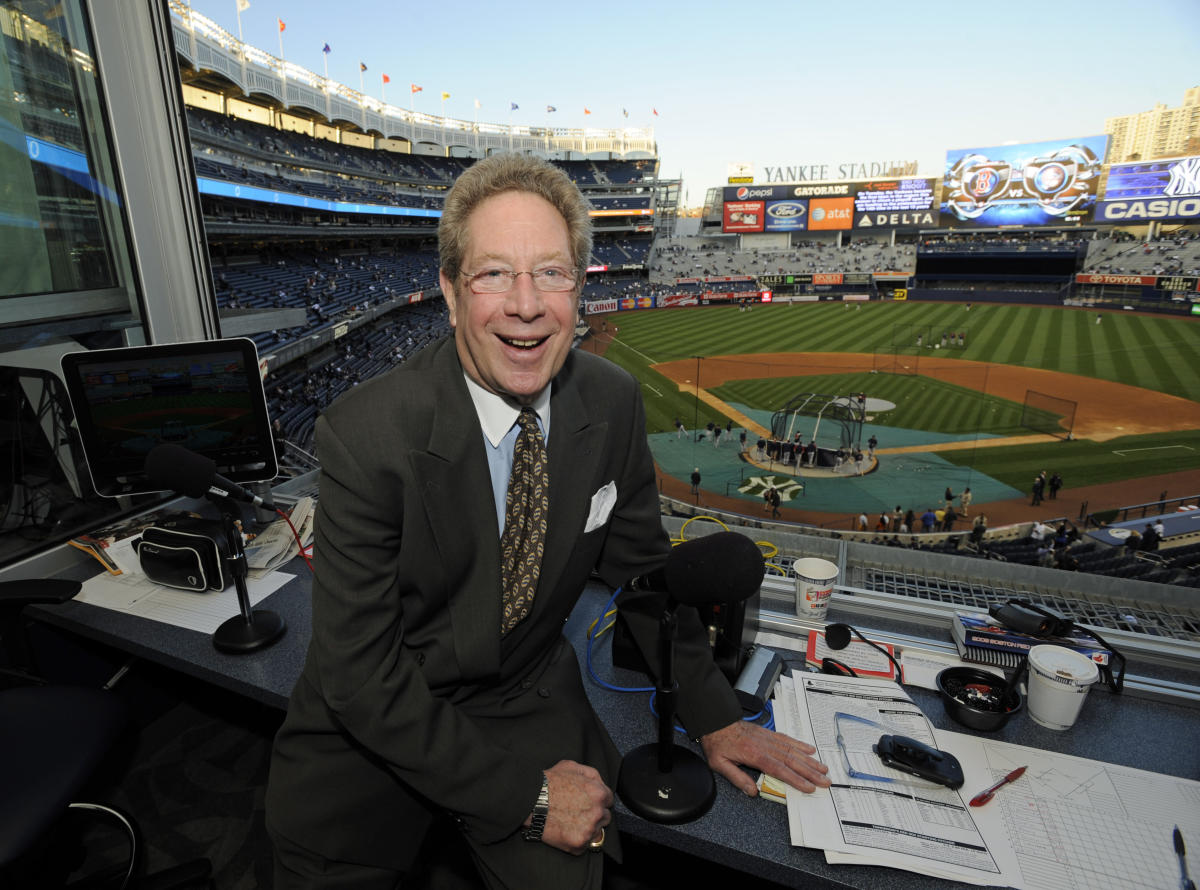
(830,206)
(1164,189)
(1031,184)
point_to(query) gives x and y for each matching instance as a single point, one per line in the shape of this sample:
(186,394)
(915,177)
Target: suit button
(526,684)
(544,692)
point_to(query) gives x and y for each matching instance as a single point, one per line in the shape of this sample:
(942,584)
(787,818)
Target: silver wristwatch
(541,809)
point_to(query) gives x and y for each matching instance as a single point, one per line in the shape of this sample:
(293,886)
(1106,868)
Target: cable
(591,642)
(296,535)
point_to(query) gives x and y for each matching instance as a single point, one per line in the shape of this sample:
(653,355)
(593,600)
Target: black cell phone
(910,756)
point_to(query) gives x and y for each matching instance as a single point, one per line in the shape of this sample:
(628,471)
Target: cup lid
(1067,665)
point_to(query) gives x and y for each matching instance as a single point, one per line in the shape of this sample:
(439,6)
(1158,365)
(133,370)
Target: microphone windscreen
(179,469)
(837,636)
(720,568)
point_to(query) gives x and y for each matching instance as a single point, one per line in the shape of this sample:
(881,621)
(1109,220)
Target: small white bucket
(815,579)
(1059,680)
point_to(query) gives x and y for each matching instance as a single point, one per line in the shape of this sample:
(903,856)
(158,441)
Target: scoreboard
(830,206)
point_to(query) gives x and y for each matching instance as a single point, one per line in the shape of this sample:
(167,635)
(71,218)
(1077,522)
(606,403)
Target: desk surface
(740,832)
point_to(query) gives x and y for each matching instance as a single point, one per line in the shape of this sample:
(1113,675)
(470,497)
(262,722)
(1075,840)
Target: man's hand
(779,756)
(580,805)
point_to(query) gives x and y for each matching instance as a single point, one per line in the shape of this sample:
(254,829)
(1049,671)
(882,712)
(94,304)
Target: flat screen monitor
(206,396)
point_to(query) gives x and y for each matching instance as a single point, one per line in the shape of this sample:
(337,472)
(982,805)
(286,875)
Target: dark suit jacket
(401,708)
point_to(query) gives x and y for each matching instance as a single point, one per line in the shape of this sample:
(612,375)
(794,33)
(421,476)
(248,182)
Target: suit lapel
(575,450)
(456,489)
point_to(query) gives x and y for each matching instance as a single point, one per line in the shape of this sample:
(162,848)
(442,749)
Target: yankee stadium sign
(825,172)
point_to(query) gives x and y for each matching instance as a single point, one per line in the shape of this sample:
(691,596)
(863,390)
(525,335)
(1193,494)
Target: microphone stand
(663,782)
(253,628)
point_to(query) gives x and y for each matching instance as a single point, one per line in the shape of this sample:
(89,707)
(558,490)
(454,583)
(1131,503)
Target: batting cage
(832,421)
(1048,414)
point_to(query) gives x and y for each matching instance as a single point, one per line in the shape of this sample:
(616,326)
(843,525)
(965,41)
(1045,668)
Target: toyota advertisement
(1165,189)
(1031,184)
(832,206)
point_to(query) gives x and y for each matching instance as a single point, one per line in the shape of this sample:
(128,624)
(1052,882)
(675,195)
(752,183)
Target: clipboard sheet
(1068,823)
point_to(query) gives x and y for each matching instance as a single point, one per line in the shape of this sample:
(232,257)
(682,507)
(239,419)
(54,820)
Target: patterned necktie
(526,507)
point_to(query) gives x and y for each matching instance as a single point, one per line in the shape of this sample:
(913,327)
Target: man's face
(513,343)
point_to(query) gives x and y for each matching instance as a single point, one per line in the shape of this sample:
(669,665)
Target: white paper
(906,823)
(203,612)
(1067,824)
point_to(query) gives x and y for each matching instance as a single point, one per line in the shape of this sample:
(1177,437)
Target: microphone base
(684,794)
(237,635)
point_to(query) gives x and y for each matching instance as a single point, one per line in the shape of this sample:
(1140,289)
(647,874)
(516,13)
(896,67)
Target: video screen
(207,397)
(831,206)
(1031,184)
(1167,189)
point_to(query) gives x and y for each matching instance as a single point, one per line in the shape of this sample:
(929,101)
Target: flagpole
(237,4)
(282,60)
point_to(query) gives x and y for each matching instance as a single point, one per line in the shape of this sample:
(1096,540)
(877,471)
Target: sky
(762,82)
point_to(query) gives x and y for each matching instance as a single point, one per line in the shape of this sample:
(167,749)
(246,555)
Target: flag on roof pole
(477,105)
(282,26)
(587,111)
(325,49)
(325,57)
(362,66)
(514,106)
(386,79)
(241,6)
(655,110)
(550,108)
(625,112)
(414,88)
(445,96)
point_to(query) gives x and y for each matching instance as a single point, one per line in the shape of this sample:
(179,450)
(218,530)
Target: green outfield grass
(1158,353)
(922,403)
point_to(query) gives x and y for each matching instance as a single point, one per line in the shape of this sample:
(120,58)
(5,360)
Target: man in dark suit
(416,701)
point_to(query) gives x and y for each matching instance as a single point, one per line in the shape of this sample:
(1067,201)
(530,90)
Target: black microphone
(723,567)
(185,471)
(838,637)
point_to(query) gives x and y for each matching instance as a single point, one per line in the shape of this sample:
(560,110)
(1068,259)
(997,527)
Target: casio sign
(743,193)
(786,210)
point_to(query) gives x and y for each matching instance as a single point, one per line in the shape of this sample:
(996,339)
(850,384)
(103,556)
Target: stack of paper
(1067,822)
(276,544)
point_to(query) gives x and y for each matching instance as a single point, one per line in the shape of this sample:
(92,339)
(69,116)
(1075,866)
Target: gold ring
(597,844)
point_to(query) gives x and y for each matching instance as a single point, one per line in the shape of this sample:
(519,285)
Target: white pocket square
(601,507)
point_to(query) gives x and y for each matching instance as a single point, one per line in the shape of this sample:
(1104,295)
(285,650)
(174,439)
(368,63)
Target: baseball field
(968,386)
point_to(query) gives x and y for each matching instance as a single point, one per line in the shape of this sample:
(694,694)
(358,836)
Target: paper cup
(1059,680)
(814,585)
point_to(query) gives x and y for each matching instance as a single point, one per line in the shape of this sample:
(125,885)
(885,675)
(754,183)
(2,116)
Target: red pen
(988,793)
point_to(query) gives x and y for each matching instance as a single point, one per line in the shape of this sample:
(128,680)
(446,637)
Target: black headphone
(837,636)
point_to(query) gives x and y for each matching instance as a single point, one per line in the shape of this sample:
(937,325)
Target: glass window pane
(61,221)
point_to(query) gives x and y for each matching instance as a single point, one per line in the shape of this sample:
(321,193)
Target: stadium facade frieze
(850,170)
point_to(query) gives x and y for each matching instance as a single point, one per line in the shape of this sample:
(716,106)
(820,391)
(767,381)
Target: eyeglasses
(548,279)
(853,773)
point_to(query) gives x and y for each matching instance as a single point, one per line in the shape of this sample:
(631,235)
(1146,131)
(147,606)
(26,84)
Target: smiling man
(438,684)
